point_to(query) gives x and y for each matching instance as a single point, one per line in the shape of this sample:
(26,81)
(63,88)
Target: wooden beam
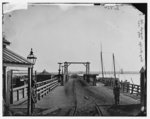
(16,65)
(4,82)
(78,62)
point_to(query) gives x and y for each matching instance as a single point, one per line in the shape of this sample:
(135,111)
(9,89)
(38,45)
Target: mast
(102,63)
(114,66)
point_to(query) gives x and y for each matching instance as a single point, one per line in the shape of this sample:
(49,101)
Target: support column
(62,77)
(87,68)
(65,72)
(8,85)
(11,88)
(143,87)
(4,83)
(32,91)
(29,91)
(4,90)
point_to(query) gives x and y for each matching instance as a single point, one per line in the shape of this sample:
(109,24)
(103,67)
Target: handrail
(40,85)
(45,85)
(19,88)
(46,80)
(125,87)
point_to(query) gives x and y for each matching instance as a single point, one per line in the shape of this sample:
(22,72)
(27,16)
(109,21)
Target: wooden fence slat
(22,92)
(126,87)
(17,95)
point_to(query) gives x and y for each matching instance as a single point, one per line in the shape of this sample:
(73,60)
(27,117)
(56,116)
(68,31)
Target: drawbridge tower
(67,64)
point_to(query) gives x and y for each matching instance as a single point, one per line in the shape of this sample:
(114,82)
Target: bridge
(77,98)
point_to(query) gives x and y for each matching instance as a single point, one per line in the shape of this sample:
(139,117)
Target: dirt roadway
(58,102)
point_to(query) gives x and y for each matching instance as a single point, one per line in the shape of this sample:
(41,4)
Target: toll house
(11,60)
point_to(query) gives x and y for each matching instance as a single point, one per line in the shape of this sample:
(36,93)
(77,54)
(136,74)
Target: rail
(45,87)
(21,93)
(73,111)
(126,87)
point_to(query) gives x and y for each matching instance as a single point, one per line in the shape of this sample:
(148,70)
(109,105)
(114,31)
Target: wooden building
(44,75)
(90,79)
(11,60)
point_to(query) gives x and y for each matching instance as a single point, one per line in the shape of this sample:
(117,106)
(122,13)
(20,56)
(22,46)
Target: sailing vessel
(107,80)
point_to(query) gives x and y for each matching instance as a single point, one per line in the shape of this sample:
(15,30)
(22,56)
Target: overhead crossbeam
(66,65)
(77,62)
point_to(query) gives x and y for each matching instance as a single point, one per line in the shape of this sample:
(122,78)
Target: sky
(59,33)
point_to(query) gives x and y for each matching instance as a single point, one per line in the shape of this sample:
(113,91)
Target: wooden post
(8,93)
(4,83)
(102,65)
(23,93)
(127,87)
(114,66)
(94,80)
(36,84)
(4,89)
(17,95)
(137,90)
(123,86)
(143,87)
(11,90)
(62,82)
(65,72)
(132,88)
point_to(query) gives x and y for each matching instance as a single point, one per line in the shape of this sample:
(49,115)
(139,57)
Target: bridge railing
(19,93)
(126,87)
(42,89)
(45,87)
(131,88)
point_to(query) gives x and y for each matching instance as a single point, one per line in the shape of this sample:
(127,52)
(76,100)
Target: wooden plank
(9,75)
(20,88)
(46,85)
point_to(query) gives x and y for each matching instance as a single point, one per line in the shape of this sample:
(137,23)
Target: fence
(45,87)
(42,89)
(19,93)
(126,87)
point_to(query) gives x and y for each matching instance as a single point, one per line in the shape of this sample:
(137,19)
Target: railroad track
(98,110)
(74,110)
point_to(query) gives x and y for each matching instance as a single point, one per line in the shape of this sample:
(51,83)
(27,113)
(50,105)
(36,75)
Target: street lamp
(31,83)
(31,57)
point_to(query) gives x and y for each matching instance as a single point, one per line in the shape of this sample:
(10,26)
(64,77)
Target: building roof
(10,58)
(5,42)
(44,73)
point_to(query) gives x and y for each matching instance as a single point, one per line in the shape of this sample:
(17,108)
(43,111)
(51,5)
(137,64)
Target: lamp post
(59,71)
(62,82)
(31,101)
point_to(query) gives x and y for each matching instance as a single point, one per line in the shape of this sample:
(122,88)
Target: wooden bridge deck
(61,99)
(102,95)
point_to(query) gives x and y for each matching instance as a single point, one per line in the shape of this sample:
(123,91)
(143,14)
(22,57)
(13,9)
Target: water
(129,77)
